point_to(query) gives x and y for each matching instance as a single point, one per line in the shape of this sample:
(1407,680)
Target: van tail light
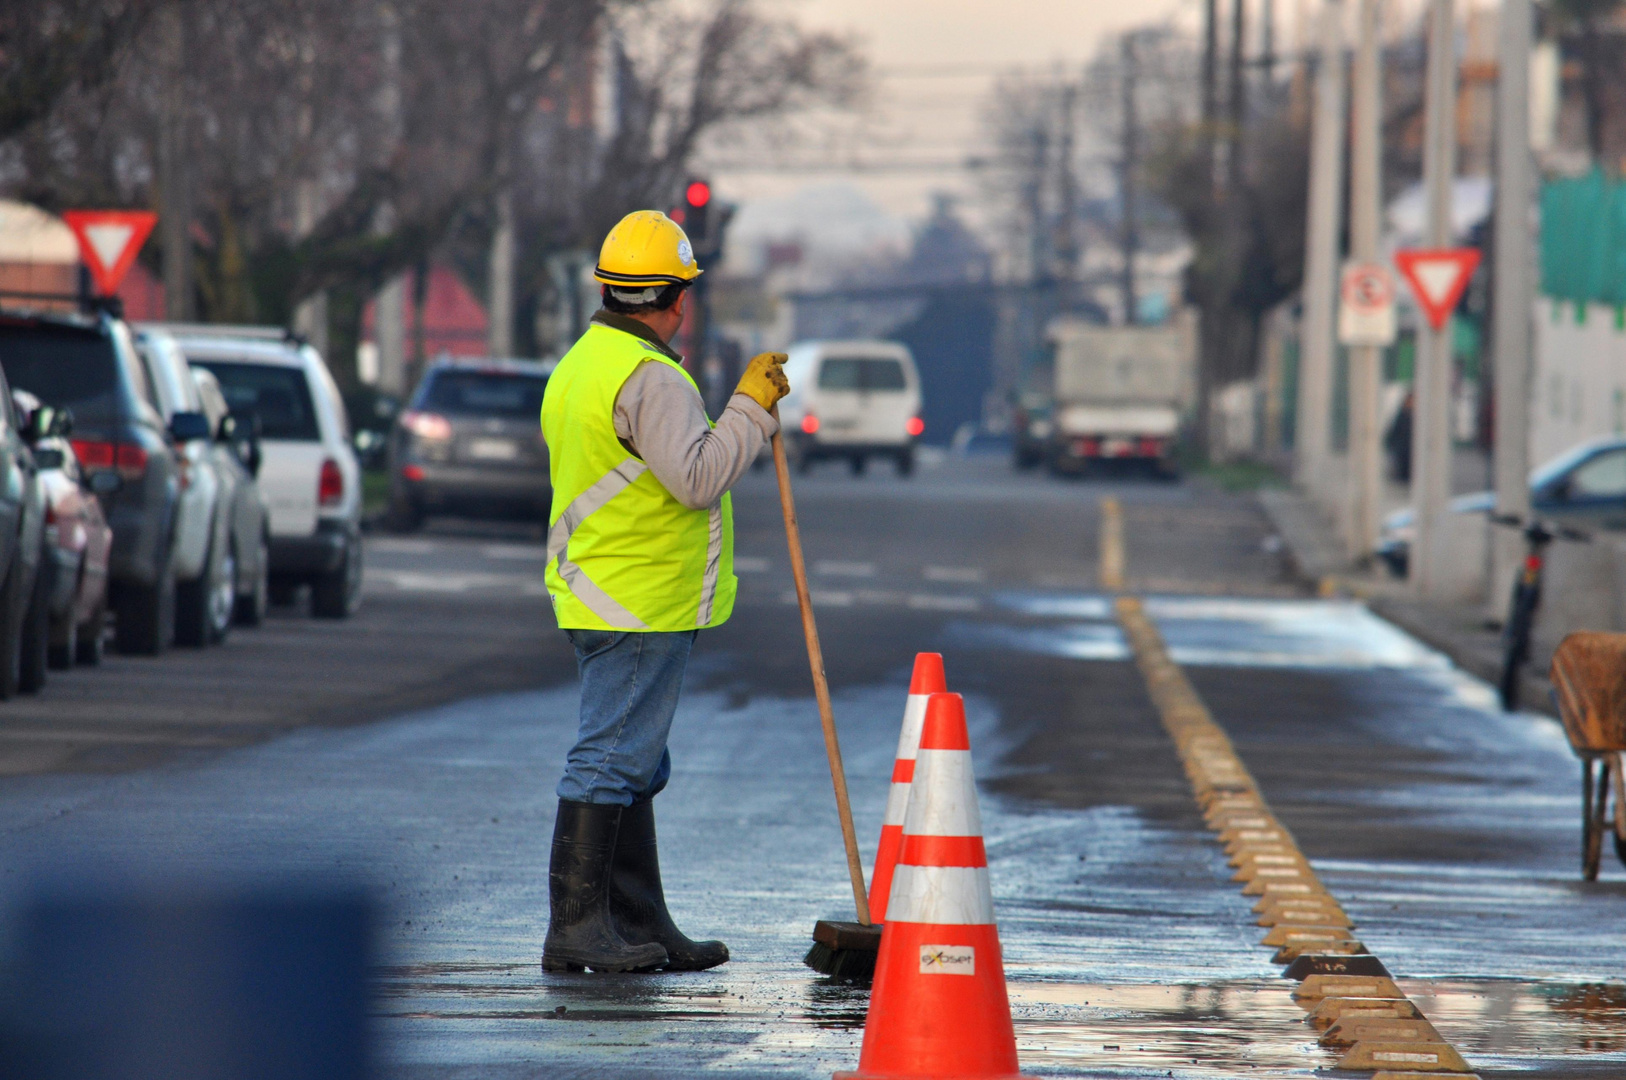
(810,424)
(93,454)
(330,486)
(915,426)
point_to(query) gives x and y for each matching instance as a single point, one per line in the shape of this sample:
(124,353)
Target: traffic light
(696,218)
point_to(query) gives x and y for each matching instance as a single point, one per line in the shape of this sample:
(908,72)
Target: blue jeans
(630,687)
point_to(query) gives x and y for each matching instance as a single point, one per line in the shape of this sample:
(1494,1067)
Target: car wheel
(906,462)
(36,635)
(146,616)
(856,463)
(223,597)
(59,657)
(251,606)
(11,632)
(194,601)
(337,595)
(92,636)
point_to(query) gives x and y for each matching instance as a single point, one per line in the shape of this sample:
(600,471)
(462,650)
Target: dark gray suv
(88,363)
(471,443)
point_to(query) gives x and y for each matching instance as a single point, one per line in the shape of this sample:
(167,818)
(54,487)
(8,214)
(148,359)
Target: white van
(853,400)
(308,473)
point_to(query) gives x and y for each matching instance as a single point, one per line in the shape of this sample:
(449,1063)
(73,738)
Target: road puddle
(1247,1027)
(1512,1024)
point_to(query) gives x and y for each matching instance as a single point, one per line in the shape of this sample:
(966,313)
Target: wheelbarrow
(1589,683)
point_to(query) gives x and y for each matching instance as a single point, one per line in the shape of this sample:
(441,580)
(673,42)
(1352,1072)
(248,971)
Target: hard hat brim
(610,277)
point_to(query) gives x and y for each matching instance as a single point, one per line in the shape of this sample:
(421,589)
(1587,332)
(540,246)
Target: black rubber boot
(639,903)
(581,933)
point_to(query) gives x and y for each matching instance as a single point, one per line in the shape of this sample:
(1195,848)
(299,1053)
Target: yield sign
(109,241)
(1438,277)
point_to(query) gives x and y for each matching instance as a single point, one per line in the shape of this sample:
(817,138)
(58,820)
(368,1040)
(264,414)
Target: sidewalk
(1459,631)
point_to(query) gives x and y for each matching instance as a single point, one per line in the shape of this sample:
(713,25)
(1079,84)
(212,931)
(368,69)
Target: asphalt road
(417,748)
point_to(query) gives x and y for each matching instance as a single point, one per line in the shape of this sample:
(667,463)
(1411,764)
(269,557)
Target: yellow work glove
(764,380)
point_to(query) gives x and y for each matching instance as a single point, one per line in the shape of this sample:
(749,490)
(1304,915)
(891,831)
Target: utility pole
(174,169)
(1321,230)
(1510,314)
(1067,208)
(1431,443)
(1365,459)
(1210,74)
(500,287)
(1126,185)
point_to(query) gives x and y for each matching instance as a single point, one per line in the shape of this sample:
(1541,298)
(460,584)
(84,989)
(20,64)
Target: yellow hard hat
(646,248)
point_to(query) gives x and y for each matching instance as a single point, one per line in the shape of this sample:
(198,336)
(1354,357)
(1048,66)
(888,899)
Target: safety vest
(623,554)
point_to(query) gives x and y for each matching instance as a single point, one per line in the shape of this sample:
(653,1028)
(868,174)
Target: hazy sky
(933,62)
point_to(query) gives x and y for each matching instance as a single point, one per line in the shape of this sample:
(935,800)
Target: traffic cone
(927,680)
(938,1006)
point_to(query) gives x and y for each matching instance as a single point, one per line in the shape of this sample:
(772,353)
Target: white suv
(308,472)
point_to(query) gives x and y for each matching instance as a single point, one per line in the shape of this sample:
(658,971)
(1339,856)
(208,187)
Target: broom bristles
(843,965)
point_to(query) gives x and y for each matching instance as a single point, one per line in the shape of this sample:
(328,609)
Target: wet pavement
(1449,831)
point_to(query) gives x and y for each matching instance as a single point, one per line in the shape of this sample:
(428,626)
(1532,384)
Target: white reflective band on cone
(897,804)
(941,895)
(914,716)
(949,805)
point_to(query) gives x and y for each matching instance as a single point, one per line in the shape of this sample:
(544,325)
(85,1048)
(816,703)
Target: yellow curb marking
(1237,812)
(1112,545)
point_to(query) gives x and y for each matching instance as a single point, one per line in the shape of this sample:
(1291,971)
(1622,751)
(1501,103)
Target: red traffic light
(697,194)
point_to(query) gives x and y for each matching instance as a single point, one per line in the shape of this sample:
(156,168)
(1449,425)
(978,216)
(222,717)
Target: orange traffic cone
(927,680)
(938,1007)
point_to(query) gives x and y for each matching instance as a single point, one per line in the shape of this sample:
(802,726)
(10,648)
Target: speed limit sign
(1366,305)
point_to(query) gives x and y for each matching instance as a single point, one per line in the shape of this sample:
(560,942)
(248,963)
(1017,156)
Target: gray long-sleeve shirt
(660,417)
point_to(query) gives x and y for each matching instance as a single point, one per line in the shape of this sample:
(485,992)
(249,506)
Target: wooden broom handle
(821,688)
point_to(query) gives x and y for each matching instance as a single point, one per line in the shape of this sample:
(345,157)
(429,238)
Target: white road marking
(961,575)
(442,582)
(401,546)
(823,598)
(926,602)
(844,569)
(746,564)
(514,551)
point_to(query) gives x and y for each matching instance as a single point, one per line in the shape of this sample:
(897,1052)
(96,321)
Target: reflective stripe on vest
(623,554)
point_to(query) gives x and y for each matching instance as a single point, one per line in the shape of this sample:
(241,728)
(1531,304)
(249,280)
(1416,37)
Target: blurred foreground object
(153,985)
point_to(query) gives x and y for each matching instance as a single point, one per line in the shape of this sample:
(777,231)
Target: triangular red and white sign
(1438,278)
(109,241)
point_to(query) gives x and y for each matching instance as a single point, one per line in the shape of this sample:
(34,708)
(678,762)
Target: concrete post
(500,291)
(389,333)
(1431,442)
(1310,439)
(1514,294)
(1364,506)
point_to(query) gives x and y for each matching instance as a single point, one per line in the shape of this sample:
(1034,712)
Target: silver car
(471,443)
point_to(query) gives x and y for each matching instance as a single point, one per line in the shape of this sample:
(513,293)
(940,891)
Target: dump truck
(1118,393)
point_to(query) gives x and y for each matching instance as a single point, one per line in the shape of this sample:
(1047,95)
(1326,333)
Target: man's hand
(764,380)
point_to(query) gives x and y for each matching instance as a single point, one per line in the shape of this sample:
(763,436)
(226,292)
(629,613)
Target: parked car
(308,473)
(78,540)
(236,450)
(854,400)
(1583,488)
(204,560)
(1031,430)
(88,363)
(470,442)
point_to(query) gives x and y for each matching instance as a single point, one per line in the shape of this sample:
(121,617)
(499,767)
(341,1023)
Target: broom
(842,950)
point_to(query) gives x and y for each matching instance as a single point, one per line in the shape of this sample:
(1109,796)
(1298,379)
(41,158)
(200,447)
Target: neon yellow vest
(623,554)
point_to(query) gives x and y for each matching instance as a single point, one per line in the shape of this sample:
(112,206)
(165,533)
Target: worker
(640,558)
